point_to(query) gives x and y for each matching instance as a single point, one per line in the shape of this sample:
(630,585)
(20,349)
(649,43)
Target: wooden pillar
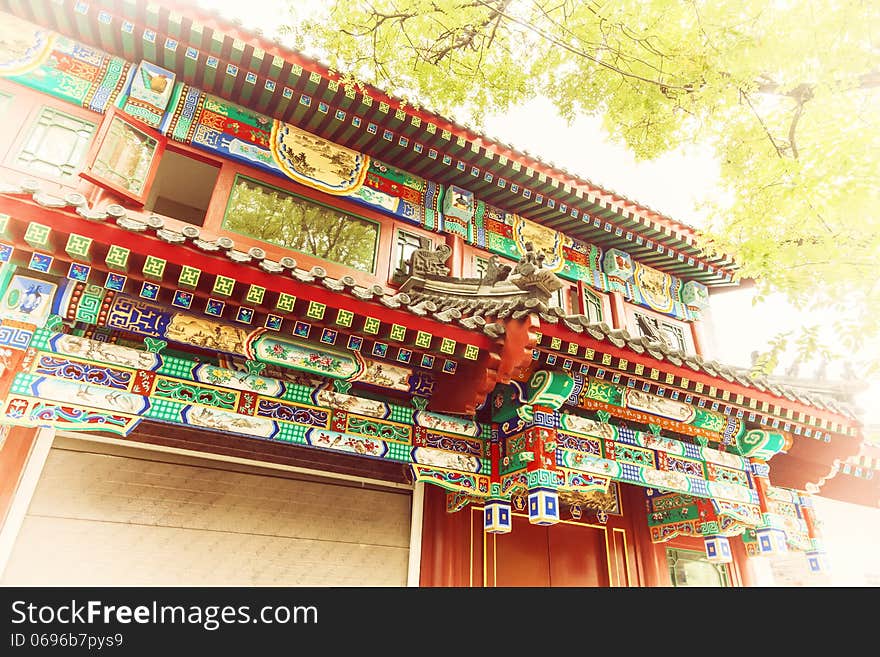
(415,534)
(618,314)
(650,557)
(22,458)
(456,260)
(445,542)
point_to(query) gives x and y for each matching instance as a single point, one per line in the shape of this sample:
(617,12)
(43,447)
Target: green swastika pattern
(154,268)
(398,332)
(177,367)
(4,225)
(423,339)
(78,246)
(37,235)
(344,318)
(223,286)
(255,294)
(471,352)
(189,277)
(285,302)
(117,257)
(398,452)
(401,414)
(165,410)
(297,393)
(447,346)
(371,325)
(316,310)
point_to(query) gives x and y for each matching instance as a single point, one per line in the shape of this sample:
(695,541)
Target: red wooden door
(559,555)
(577,556)
(522,557)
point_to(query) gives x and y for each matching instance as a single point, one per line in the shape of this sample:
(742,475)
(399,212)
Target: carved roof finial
(427,262)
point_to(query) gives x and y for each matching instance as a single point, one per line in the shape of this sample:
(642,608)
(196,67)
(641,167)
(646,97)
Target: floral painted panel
(448,423)
(337,365)
(362,445)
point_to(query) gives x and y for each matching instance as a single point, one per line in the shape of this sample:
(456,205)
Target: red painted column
(618,314)
(650,557)
(13,456)
(456,260)
(445,542)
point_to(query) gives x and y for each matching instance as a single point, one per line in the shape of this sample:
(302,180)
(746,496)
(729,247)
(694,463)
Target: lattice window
(5,102)
(592,305)
(480,266)
(56,144)
(405,245)
(692,568)
(673,334)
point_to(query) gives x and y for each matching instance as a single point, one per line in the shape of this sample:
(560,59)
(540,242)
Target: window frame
(396,263)
(588,292)
(722,569)
(632,325)
(29,125)
(187,151)
(110,116)
(308,199)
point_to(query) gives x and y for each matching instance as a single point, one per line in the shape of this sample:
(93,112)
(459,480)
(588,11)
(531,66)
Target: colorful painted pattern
(86,384)
(60,67)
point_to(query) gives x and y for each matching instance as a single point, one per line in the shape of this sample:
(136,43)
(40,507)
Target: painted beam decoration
(631,403)
(79,384)
(152,320)
(542,448)
(59,66)
(235,132)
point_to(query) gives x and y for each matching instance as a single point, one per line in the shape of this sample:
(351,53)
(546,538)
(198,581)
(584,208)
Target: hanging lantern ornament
(497,516)
(543,506)
(818,561)
(771,541)
(717,549)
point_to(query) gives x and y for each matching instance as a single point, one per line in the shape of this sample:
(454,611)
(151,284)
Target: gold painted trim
(604,529)
(625,579)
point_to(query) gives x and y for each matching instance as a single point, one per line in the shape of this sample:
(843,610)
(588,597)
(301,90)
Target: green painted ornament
(154,345)
(342,386)
(255,368)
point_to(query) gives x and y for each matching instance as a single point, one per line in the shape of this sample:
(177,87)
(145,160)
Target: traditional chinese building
(260,327)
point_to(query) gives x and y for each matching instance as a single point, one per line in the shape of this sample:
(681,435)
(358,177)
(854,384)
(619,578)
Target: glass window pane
(125,156)
(691,568)
(674,336)
(274,215)
(56,144)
